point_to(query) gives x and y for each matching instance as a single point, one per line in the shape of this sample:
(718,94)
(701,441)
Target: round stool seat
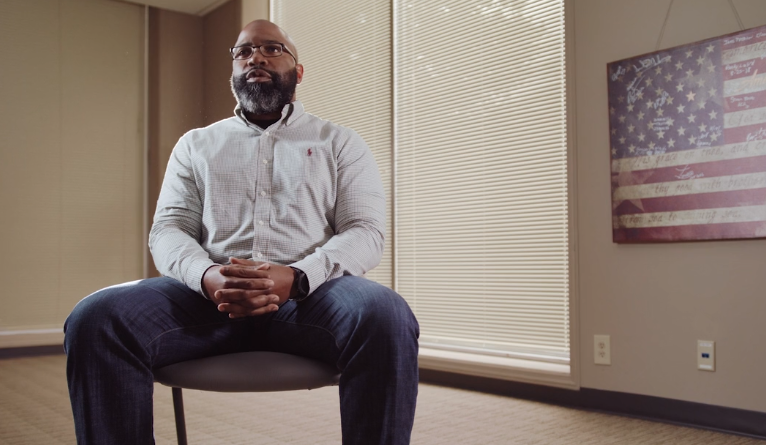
(260,371)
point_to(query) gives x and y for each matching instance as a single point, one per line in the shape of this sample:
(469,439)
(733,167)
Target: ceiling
(194,7)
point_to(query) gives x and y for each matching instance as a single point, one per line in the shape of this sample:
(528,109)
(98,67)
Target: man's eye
(271,50)
(244,52)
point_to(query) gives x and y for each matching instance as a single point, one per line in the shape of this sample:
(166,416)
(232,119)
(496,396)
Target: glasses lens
(242,52)
(271,49)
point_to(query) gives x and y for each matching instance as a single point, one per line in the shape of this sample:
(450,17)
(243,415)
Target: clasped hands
(245,288)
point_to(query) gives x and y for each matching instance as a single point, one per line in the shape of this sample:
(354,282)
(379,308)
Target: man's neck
(252,117)
(263,120)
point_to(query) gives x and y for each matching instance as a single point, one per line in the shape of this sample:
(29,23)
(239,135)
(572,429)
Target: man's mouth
(258,75)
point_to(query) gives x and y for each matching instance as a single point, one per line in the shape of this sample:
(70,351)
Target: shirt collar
(290,113)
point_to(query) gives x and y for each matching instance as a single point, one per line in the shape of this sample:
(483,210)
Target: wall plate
(705,355)
(602,351)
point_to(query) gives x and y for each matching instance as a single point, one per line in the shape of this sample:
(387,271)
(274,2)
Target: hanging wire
(736,14)
(664,24)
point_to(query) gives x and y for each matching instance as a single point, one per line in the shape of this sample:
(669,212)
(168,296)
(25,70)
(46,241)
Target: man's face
(264,85)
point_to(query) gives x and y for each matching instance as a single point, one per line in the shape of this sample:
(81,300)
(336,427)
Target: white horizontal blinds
(481,182)
(345,47)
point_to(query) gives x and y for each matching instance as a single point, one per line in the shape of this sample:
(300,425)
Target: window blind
(481,174)
(345,47)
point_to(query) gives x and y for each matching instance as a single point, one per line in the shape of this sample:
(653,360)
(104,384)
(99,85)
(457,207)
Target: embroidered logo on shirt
(309,152)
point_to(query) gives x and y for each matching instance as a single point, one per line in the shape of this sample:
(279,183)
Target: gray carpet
(34,409)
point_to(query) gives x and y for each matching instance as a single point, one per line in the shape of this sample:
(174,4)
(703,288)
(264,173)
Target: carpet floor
(34,409)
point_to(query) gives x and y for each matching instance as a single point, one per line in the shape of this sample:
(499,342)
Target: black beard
(265,97)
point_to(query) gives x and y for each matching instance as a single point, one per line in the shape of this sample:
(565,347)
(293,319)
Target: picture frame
(687,134)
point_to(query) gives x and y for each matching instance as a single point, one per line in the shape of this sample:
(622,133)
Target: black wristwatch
(300,289)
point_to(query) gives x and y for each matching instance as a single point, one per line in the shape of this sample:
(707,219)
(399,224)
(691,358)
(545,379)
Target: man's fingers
(247,283)
(243,272)
(258,264)
(259,305)
(261,311)
(247,298)
(237,296)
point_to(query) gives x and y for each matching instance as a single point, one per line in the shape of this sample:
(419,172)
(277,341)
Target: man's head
(262,84)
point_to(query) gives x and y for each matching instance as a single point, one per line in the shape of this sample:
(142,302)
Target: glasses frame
(257,48)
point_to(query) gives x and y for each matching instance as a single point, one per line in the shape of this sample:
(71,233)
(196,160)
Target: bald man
(265,223)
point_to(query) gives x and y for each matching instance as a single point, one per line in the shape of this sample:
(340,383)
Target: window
(481,175)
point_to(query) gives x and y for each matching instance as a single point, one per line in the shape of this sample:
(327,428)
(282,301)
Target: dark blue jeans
(117,336)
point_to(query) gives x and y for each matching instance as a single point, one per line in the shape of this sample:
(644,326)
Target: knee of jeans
(385,312)
(91,319)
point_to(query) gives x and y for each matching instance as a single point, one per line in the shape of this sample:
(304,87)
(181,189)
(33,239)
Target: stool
(259,371)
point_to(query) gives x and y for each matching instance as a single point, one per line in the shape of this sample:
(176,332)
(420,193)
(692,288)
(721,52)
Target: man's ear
(299,70)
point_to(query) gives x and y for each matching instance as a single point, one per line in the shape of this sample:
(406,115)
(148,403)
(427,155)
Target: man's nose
(257,58)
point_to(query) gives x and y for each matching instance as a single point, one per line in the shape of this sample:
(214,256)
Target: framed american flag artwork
(687,132)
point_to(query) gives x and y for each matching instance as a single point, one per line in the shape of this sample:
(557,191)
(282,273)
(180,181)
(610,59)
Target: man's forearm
(178,255)
(353,252)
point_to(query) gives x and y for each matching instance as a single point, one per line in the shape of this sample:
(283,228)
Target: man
(264,223)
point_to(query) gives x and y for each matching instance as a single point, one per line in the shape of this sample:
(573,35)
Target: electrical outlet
(602,353)
(706,355)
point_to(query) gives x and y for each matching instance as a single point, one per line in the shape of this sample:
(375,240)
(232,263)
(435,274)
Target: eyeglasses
(245,52)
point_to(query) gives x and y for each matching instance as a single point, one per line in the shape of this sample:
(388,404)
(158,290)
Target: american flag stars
(672,94)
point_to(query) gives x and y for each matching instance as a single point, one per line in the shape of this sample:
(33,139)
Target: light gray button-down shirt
(304,192)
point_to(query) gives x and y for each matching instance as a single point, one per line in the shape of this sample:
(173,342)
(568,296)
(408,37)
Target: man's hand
(246,288)
(241,296)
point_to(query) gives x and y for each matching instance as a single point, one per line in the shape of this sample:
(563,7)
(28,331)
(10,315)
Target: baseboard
(698,415)
(497,367)
(31,351)
(31,337)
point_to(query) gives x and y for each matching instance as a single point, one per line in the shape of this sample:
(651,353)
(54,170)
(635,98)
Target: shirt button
(265,133)
(260,223)
(263,193)
(265,161)
(260,255)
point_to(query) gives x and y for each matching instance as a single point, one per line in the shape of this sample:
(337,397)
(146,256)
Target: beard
(265,97)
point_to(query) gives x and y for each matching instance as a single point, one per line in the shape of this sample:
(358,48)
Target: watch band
(301,287)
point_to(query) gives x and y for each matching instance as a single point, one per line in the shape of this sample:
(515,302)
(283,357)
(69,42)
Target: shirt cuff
(195,272)
(315,272)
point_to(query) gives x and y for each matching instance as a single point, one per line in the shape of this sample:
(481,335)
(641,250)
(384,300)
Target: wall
(220,29)
(71,158)
(254,10)
(175,91)
(72,142)
(656,300)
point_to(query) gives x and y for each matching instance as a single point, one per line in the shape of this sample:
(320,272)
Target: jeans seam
(335,339)
(189,327)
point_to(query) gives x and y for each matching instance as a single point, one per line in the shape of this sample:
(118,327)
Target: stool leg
(178,407)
